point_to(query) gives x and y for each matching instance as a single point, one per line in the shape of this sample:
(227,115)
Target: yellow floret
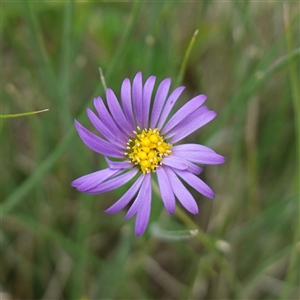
(142,155)
(151,154)
(146,149)
(153,138)
(145,163)
(145,141)
(160,149)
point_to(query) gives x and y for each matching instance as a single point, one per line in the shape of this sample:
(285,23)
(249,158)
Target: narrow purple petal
(175,162)
(184,129)
(183,195)
(116,111)
(113,183)
(184,112)
(94,178)
(192,147)
(139,201)
(97,144)
(196,183)
(159,101)
(137,97)
(196,114)
(147,93)
(166,191)
(107,120)
(98,124)
(127,197)
(143,213)
(114,165)
(194,168)
(169,105)
(126,102)
(207,158)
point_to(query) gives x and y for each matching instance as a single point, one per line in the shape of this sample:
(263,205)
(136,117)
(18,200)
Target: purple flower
(142,141)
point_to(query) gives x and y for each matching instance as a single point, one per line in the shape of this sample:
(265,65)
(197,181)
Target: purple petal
(137,97)
(108,121)
(96,180)
(185,128)
(183,195)
(116,111)
(143,213)
(196,113)
(127,197)
(159,101)
(208,158)
(196,183)
(184,112)
(126,102)
(91,180)
(169,105)
(194,168)
(98,124)
(175,162)
(191,167)
(166,191)
(147,93)
(139,201)
(114,183)
(192,147)
(114,165)
(97,144)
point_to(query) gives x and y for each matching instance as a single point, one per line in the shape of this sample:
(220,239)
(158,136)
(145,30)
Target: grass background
(57,243)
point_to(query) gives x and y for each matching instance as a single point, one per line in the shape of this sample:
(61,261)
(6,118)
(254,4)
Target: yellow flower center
(147,149)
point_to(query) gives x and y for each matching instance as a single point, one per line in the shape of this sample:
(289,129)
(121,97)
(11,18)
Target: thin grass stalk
(66,52)
(185,59)
(22,114)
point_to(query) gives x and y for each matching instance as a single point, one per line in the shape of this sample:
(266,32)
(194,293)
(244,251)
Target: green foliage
(57,243)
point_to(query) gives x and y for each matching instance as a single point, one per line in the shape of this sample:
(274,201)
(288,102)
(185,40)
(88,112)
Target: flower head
(142,140)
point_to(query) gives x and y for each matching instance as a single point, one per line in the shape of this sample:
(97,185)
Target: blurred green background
(57,243)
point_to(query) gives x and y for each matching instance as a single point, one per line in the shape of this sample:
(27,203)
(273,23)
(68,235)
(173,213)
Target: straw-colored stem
(185,59)
(23,114)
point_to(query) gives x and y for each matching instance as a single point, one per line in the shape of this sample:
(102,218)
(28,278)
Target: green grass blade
(171,235)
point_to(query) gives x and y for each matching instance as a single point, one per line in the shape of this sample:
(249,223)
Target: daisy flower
(142,139)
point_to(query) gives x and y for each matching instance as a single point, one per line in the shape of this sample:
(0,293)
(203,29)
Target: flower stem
(202,238)
(185,219)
